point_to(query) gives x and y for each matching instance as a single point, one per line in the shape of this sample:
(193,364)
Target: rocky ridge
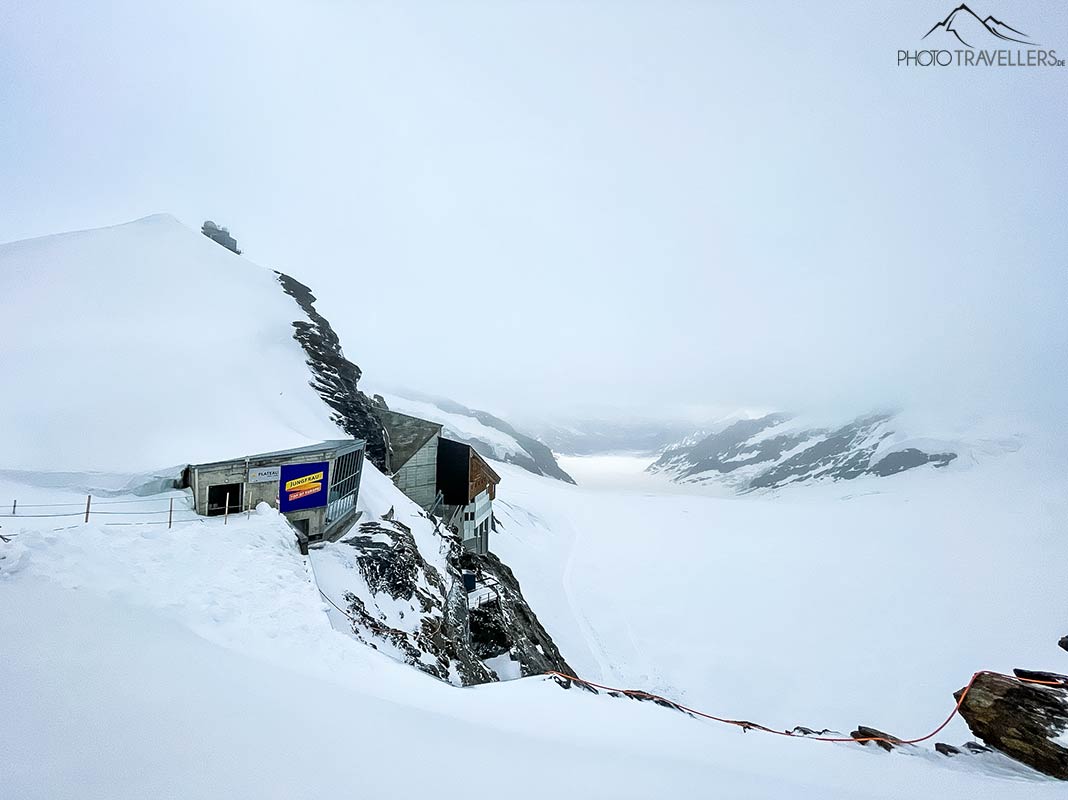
(772,451)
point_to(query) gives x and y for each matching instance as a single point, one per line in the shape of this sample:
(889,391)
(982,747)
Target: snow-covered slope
(201,660)
(868,602)
(489,435)
(143,346)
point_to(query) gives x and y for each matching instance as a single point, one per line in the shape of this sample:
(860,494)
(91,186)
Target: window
(344,484)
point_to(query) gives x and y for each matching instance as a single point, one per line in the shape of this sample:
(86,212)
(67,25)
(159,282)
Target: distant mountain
(964,26)
(586,437)
(774,450)
(491,436)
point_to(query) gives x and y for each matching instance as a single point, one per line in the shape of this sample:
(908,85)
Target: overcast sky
(542,207)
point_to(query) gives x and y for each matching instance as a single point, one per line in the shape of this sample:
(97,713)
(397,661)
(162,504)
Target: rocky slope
(774,451)
(400,587)
(588,437)
(335,378)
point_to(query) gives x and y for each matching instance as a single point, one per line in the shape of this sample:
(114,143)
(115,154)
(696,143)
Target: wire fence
(175,509)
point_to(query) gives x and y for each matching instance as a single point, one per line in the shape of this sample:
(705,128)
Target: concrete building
(220,235)
(414,462)
(468,486)
(315,487)
(445,477)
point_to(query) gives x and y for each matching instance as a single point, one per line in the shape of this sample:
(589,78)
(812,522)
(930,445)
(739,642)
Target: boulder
(885,740)
(1025,721)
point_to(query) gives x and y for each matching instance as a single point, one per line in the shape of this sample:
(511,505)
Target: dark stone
(975,748)
(947,749)
(335,377)
(1032,675)
(801,730)
(390,563)
(1019,719)
(885,740)
(1063,643)
(508,624)
(909,458)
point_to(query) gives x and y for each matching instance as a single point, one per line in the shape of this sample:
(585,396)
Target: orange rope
(746,725)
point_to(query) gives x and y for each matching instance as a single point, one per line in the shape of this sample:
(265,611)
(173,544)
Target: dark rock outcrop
(507,624)
(765,459)
(1025,721)
(882,739)
(390,563)
(450,640)
(335,377)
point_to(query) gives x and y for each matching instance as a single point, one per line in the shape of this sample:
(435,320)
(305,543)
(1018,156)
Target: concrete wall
(266,492)
(418,478)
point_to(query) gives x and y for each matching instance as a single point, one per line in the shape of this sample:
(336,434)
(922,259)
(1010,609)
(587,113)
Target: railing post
(226,509)
(88,501)
(170,515)
(14,505)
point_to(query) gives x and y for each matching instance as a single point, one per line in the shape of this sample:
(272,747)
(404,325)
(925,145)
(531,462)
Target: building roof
(407,435)
(329,444)
(485,464)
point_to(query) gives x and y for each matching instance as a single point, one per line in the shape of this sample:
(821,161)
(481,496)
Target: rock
(508,624)
(975,748)
(751,455)
(947,749)
(1047,677)
(1063,643)
(885,740)
(1021,720)
(390,563)
(335,377)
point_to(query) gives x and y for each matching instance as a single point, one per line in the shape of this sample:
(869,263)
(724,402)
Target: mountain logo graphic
(969,29)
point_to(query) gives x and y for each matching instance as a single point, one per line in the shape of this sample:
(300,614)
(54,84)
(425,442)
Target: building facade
(414,462)
(447,478)
(468,487)
(315,487)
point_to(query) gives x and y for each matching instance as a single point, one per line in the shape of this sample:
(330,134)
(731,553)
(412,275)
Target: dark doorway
(217,498)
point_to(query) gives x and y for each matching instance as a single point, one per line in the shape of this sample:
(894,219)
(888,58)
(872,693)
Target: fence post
(226,510)
(170,515)
(88,500)
(14,505)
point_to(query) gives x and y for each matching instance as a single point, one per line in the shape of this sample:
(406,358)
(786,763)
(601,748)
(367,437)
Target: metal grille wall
(344,485)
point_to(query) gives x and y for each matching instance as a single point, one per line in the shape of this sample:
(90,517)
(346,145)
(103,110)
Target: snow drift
(147,345)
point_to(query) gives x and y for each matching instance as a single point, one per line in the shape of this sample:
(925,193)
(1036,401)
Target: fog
(548,208)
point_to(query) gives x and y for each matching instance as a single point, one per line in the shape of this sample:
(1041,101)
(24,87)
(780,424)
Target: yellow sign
(305,482)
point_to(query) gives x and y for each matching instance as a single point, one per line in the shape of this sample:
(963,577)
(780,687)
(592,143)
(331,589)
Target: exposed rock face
(882,739)
(438,634)
(434,638)
(1025,721)
(508,625)
(768,453)
(335,377)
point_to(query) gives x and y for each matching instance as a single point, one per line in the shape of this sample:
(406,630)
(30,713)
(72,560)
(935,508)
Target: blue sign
(303,486)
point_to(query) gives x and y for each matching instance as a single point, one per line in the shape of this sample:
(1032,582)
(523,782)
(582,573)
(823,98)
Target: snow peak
(979,58)
(962,26)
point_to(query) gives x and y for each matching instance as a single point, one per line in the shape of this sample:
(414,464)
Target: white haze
(542,207)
